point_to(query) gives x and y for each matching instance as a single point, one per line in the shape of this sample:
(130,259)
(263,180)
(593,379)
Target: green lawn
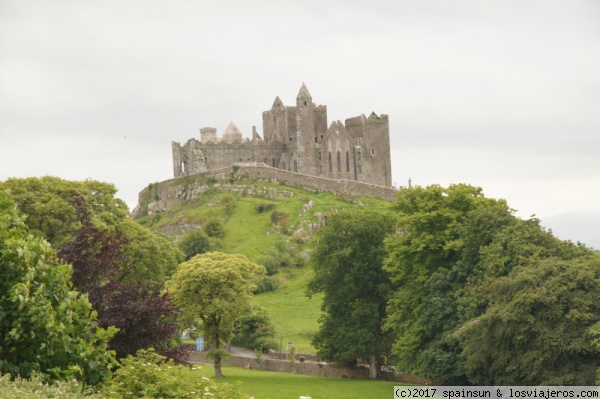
(291,312)
(275,385)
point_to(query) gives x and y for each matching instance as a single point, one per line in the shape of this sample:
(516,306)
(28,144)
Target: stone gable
(297,139)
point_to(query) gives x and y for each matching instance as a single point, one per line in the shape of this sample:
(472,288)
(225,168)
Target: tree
(429,244)
(152,256)
(454,244)
(255,330)
(348,264)
(539,327)
(45,325)
(215,289)
(194,242)
(145,317)
(47,203)
(50,213)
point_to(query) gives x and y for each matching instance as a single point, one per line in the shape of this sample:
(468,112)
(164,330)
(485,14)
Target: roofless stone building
(297,139)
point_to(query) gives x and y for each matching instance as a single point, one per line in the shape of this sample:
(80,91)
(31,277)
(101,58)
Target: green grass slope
(250,232)
(293,314)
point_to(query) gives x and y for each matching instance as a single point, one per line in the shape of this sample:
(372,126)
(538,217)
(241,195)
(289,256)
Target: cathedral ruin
(297,139)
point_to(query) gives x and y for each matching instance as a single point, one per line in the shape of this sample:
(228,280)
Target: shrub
(277,217)
(280,219)
(149,375)
(214,229)
(37,388)
(284,254)
(228,203)
(194,242)
(265,207)
(265,285)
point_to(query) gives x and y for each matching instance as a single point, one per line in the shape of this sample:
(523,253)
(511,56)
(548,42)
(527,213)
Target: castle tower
(306,136)
(208,135)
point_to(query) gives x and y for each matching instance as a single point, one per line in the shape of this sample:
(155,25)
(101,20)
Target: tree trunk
(217,359)
(373,368)
(218,371)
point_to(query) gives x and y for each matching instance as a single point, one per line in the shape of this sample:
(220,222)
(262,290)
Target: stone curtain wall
(169,193)
(318,369)
(345,187)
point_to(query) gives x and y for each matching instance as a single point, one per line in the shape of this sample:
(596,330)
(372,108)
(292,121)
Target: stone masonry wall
(345,187)
(178,190)
(319,369)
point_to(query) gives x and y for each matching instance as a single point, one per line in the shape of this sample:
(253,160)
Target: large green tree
(46,201)
(420,259)
(45,325)
(540,326)
(215,289)
(49,212)
(453,245)
(348,263)
(152,256)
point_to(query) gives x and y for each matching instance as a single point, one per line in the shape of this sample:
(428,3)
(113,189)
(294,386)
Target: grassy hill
(246,210)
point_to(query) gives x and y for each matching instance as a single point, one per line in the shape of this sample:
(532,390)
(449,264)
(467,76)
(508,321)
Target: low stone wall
(319,369)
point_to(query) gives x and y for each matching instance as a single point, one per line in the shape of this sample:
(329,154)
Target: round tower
(305,142)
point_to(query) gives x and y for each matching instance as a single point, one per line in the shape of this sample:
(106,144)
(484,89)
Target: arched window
(339,161)
(347,162)
(330,166)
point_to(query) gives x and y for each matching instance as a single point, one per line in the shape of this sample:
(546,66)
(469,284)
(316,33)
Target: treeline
(447,284)
(450,285)
(82,296)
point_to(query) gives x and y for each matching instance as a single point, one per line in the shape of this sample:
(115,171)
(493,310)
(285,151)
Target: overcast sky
(500,94)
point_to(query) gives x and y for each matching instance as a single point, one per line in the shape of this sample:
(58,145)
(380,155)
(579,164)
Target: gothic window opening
(330,166)
(339,162)
(295,166)
(347,162)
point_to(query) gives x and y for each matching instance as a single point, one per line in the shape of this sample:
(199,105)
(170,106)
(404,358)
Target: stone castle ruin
(297,139)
